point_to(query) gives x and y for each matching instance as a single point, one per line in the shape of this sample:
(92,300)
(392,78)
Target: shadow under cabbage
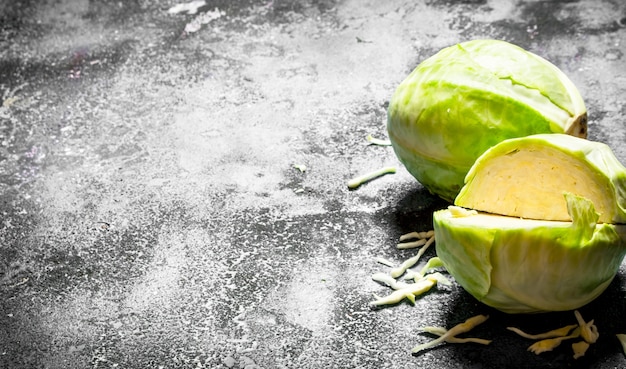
(414,210)
(508,350)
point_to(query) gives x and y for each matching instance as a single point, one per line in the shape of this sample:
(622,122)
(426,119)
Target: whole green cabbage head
(468,97)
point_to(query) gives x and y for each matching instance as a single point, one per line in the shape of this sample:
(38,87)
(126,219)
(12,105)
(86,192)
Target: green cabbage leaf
(526,266)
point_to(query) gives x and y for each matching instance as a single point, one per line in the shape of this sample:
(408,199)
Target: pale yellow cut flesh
(527,178)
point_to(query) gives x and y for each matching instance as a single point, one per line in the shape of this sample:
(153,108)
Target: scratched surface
(151,215)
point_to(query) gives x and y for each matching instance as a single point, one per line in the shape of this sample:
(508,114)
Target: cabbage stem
(579,348)
(422,238)
(440,331)
(389,281)
(450,335)
(431,264)
(412,261)
(358,181)
(376,141)
(552,339)
(300,167)
(412,245)
(550,343)
(588,330)
(418,235)
(384,262)
(560,332)
(409,292)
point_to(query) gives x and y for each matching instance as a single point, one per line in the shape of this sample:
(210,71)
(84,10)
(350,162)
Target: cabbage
(542,232)
(526,177)
(525,265)
(469,97)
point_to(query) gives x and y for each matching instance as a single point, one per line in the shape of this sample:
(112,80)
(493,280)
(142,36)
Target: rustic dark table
(154,214)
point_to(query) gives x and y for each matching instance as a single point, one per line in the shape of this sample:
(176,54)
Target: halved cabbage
(469,97)
(526,266)
(526,177)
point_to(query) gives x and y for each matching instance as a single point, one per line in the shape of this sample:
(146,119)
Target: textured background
(150,213)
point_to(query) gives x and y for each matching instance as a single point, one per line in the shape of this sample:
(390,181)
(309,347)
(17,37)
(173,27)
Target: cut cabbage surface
(527,177)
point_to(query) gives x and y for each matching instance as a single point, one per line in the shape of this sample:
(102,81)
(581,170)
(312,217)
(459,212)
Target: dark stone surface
(150,213)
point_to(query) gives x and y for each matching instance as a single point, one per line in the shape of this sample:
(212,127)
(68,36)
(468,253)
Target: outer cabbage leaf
(524,266)
(469,97)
